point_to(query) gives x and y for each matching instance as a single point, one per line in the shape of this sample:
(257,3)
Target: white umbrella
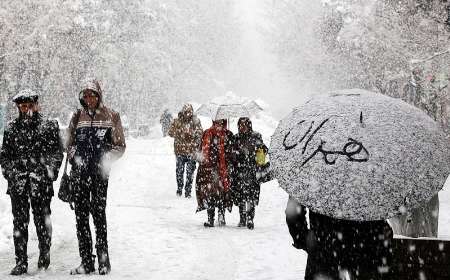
(360,155)
(229,106)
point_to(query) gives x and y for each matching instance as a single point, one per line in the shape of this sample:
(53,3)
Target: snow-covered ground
(153,234)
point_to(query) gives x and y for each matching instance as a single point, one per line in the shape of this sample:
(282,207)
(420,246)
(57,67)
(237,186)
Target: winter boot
(84,268)
(104,266)
(187,194)
(19,269)
(44,261)
(179,193)
(210,222)
(250,224)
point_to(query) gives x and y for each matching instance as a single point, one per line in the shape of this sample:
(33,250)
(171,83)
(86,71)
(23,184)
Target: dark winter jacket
(186,131)
(31,155)
(95,140)
(363,248)
(245,186)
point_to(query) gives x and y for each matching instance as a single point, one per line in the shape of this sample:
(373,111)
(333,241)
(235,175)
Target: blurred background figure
(165,120)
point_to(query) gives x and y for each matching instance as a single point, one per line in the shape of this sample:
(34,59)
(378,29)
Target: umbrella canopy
(229,106)
(360,155)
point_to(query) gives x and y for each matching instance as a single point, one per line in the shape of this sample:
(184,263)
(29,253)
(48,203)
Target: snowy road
(155,235)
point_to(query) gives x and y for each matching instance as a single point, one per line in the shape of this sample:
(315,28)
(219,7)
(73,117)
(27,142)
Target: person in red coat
(213,177)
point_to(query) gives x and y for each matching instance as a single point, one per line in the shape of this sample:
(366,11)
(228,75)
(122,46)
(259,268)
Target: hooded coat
(96,138)
(245,184)
(186,131)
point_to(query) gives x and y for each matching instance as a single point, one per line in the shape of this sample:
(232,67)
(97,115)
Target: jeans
(190,164)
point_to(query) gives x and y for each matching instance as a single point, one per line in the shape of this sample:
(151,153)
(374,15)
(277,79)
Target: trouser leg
(82,207)
(98,210)
(180,173)
(250,210)
(242,214)
(21,217)
(221,214)
(250,214)
(41,215)
(211,213)
(190,168)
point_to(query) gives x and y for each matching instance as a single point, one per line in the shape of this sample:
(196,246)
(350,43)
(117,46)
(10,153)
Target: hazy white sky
(256,73)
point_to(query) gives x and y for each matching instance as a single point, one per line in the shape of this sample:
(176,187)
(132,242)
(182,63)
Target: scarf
(220,132)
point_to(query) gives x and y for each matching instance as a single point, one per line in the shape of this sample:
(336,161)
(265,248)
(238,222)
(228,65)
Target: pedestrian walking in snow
(30,158)
(341,249)
(165,120)
(187,133)
(246,188)
(213,176)
(94,142)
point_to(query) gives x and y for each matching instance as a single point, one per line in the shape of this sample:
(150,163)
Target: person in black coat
(30,158)
(341,248)
(245,186)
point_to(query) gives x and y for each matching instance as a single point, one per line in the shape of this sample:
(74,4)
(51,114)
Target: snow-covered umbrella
(359,155)
(229,106)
